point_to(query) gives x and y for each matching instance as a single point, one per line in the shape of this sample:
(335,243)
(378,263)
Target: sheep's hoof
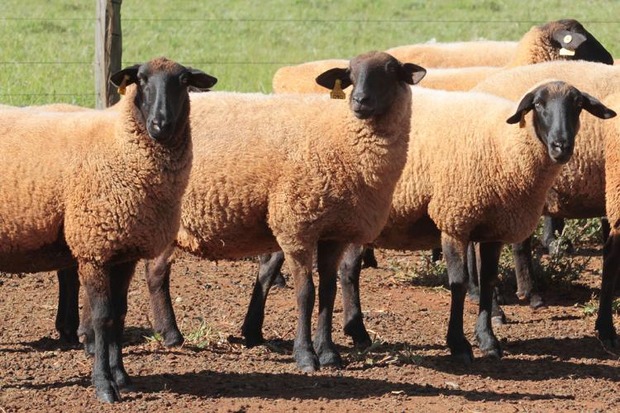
(307,361)
(173,339)
(536,302)
(122,380)
(361,339)
(109,393)
(362,342)
(253,340)
(329,358)
(70,338)
(492,349)
(463,352)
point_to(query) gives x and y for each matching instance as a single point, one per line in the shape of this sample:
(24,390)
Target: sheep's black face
(376,78)
(556,108)
(569,34)
(162,95)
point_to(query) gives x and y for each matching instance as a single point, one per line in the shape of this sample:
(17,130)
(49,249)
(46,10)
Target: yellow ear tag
(567,39)
(123,86)
(337,92)
(565,52)
(522,120)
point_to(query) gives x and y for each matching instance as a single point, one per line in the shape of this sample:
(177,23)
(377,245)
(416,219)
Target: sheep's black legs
(524,270)
(551,227)
(489,261)
(157,274)
(96,281)
(472,267)
(269,267)
(119,286)
(350,268)
(611,270)
(455,253)
(329,254)
(368,259)
(300,264)
(67,316)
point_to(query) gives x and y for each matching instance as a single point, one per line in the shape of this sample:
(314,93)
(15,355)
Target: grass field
(47,47)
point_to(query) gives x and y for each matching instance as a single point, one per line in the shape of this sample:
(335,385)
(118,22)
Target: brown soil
(552,361)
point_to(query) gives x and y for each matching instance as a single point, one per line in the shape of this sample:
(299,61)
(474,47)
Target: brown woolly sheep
(579,190)
(468,194)
(558,40)
(297,173)
(611,257)
(100,191)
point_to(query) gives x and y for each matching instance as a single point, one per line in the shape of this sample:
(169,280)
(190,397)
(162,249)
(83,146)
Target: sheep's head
(376,78)
(556,108)
(162,93)
(573,42)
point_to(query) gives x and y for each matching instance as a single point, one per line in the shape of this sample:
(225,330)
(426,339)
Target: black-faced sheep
(303,174)
(99,190)
(468,194)
(579,190)
(557,40)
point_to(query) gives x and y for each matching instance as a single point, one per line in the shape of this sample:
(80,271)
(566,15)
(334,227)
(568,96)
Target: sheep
(611,264)
(97,191)
(297,78)
(450,198)
(296,173)
(539,44)
(300,78)
(558,40)
(579,191)
(457,54)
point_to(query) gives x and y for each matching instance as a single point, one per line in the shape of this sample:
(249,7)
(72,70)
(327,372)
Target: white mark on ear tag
(565,52)
(337,92)
(567,39)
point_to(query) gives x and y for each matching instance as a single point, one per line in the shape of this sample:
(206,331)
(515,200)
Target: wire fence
(81,97)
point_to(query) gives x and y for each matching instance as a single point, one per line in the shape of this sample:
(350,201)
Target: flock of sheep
(302,177)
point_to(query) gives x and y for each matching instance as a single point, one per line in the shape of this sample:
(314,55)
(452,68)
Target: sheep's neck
(381,142)
(529,169)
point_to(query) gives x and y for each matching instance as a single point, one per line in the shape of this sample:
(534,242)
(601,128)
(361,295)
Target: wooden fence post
(108,50)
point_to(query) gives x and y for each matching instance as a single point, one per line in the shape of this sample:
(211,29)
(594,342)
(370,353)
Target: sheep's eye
(142,79)
(538,105)
(184,78)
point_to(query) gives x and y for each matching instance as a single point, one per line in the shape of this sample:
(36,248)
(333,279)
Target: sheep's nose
(361,99)
(158,127)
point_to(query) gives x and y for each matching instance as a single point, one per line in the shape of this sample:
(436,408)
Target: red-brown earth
(552,362)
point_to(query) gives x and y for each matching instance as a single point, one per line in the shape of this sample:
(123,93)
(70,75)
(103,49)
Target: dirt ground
(552,361)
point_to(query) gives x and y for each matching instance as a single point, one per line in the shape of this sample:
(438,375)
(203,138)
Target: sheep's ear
(199,79)
(328,79)
(526,104)
(411,73)
(569,41)
(125,77)
(595,107)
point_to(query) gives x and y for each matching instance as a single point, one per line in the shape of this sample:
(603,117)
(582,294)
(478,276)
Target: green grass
(47,47)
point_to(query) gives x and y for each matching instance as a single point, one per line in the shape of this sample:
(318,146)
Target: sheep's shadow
(131,336)
(557,360)
(211,384)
